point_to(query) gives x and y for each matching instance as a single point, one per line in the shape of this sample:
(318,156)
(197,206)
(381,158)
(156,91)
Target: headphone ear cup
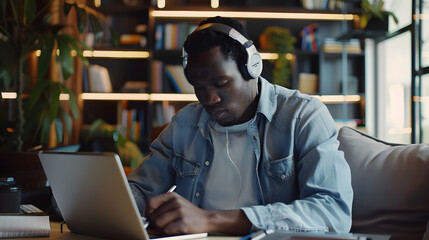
(244,70)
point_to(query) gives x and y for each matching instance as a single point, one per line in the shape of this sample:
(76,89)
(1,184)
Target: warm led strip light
(116,54)
(265,15)
(338,98)
(186,97)
(8,95)
(115,96)
(421,99)
(13,95)
(139,96)
(173,97)
(274,56)
(192,97)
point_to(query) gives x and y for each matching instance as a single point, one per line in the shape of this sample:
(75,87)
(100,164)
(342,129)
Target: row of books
(133,121)
(330,45)
(169,78)
(133,124)
(96,79)
(171,36)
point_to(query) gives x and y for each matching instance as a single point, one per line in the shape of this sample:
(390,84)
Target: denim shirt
(304,182)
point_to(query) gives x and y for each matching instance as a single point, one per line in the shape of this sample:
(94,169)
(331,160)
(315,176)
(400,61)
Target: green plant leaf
(67,8)
(115,37)
(65,57)
(81,19)
(45,129)
(30,10)
(37,91)
(364,20)
(72,101)
(47,46)
(395,19)
(95,26)
(5,80)
(54,105)
(13,8)
(67,122)
(76,45)
(59,130)
(95,126)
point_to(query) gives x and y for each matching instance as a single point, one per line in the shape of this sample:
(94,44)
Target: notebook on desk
(93,195)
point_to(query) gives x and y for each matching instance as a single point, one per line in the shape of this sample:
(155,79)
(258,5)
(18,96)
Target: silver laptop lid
(93,194)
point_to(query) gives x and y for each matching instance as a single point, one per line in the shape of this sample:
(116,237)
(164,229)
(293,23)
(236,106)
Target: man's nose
(211,97)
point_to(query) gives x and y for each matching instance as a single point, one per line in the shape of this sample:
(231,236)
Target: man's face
(220,88)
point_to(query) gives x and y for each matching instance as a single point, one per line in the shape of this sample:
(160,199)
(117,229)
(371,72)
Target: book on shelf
(99,79)
(163,114)
(159,36)
(156,76)
(134,87)
(177,77)
(171,36)
(133,124)
(333,46)
(30,222)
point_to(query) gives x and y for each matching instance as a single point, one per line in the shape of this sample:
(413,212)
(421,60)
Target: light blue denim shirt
(304,182)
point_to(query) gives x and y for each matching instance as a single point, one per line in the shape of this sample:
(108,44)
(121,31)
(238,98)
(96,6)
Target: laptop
(94,197)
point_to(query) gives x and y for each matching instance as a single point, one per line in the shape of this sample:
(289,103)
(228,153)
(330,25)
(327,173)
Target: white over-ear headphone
(253,66)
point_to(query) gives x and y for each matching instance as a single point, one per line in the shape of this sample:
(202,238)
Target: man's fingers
(157,201)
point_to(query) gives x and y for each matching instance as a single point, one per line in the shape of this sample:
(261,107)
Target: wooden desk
(67,235)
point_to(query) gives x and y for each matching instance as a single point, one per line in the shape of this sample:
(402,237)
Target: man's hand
(173,214)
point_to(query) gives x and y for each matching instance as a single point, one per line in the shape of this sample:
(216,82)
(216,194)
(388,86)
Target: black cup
(10,195)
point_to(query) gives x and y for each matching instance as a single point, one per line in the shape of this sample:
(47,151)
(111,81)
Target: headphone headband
(253,66)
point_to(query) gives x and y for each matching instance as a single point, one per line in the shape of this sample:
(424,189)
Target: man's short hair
(209,38)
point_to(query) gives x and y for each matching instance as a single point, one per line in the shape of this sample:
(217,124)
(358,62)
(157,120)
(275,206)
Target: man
(250,155)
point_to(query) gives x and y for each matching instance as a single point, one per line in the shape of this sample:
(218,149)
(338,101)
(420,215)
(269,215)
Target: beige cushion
(390,183)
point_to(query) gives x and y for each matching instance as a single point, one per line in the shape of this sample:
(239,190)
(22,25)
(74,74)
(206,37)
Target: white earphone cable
(236,168)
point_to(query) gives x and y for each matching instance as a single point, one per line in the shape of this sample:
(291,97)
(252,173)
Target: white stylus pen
(172,188)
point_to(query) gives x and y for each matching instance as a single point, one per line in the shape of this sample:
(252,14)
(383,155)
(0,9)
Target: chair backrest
(390,183)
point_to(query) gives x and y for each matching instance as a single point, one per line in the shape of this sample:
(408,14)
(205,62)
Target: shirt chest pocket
(280,169)
(185,167)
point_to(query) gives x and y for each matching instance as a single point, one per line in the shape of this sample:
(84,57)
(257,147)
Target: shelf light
(8,95)
(421,99)
(115,54)
(139,96)
(274,56)
(160,3)
(115,96)
(173,97)
(330,99)
(214,3)
(13,95)
(244,14)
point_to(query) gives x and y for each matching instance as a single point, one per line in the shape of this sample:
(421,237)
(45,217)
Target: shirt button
(197,194)
(207,163)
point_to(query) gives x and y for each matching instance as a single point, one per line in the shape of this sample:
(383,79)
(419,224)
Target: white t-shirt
(231,183)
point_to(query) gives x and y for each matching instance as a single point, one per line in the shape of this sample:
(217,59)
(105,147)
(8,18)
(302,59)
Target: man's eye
(221,83)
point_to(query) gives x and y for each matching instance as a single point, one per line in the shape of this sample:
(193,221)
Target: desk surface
(67,235)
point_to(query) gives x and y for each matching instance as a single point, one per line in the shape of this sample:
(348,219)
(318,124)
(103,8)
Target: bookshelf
(136,62)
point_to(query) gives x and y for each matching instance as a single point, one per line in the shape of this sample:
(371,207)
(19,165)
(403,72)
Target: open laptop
(94,197)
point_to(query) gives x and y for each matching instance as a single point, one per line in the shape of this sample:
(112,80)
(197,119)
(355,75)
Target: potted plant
(25,28)
(374,17)
(103,137)
(279,40)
